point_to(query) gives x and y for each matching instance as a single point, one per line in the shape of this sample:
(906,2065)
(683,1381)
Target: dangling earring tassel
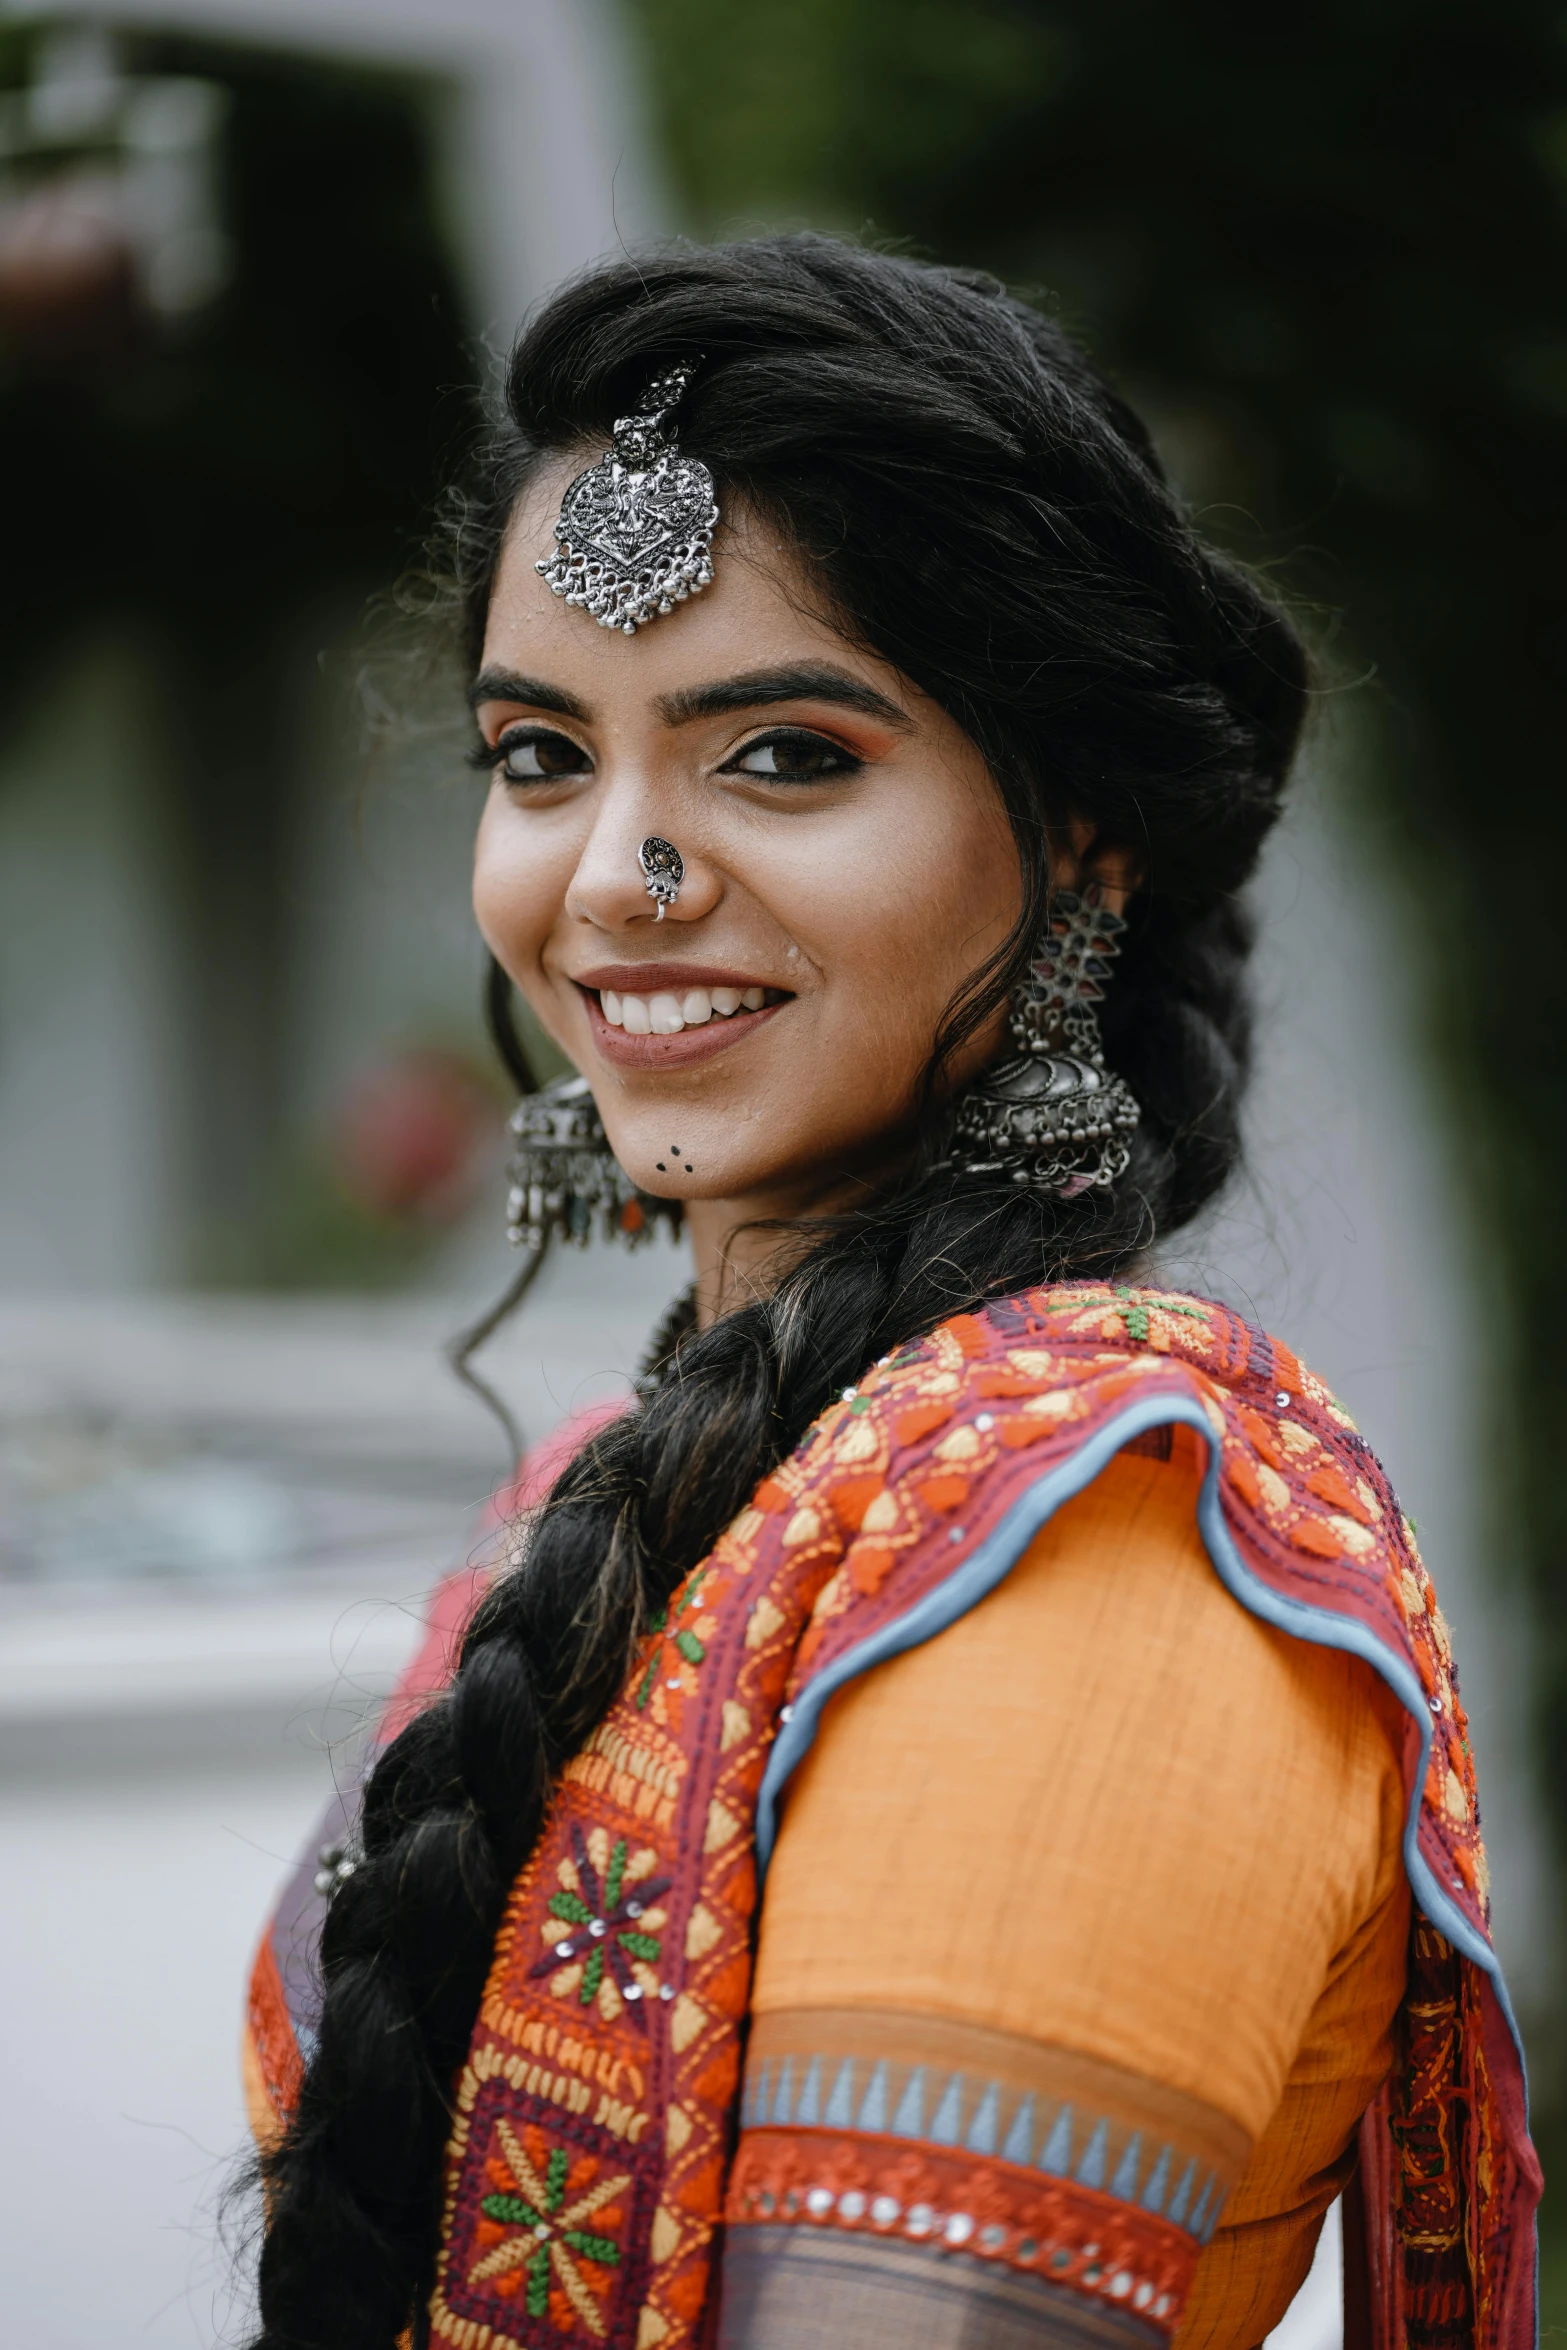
(564,1174)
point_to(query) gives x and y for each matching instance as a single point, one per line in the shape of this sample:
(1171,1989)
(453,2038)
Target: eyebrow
(504,685)
(805,681)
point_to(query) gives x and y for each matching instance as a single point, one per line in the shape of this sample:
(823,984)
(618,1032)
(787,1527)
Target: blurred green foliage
(1327,251)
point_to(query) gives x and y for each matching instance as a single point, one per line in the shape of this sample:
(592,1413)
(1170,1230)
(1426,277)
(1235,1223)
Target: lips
(653,977)
(668,1015)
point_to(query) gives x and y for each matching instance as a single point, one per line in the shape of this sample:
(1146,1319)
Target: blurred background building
(255,255)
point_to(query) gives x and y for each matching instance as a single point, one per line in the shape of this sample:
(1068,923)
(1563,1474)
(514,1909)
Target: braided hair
(985,513)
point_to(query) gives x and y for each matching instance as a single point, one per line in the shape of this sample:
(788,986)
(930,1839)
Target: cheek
(887,1019)
(932,907)
(516,893)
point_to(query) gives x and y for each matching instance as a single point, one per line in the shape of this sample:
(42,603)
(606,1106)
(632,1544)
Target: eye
(791,755)
(538,754)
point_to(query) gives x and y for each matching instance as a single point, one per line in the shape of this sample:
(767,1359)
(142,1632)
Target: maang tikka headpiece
(1054,1117)
(635,532)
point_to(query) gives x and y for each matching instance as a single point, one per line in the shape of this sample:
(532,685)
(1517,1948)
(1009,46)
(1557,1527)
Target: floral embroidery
(1133,1306)
(607,1924)
(552,2241)
(680,1643)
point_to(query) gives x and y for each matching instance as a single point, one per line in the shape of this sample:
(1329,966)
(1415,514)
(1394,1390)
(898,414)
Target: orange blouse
(1113,1843)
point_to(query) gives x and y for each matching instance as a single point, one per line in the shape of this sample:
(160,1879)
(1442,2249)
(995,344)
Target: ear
(1078,857)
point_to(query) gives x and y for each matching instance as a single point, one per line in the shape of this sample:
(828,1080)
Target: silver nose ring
(663,870)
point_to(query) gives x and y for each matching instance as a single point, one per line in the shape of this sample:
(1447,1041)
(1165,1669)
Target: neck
(740,1248)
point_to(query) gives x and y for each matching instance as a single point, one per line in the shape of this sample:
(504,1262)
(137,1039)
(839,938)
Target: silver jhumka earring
(663,870)
(565,1178)
(1054,1117)
(635,533)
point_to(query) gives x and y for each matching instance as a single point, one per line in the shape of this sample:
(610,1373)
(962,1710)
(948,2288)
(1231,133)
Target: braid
(992,520)
(456,1803)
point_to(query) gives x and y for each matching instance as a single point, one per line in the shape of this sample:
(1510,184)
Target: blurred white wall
(546,153)
(91,1188)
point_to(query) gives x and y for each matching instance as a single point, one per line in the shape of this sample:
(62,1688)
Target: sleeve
(1079,1959)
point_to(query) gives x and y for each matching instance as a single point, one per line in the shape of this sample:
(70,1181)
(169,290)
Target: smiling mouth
(694,1015)
(668,1011)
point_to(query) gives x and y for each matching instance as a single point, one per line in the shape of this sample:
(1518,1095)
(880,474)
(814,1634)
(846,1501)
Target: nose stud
(663,870)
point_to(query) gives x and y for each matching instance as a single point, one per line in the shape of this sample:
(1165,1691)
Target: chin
(686,1179)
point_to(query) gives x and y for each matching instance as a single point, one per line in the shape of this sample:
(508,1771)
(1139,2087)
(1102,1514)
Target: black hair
(985,513)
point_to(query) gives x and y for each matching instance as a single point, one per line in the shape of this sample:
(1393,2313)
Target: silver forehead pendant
(635,533)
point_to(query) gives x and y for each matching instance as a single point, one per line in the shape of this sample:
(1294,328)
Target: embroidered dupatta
(591,2163)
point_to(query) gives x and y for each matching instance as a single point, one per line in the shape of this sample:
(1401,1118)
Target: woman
(959,1808)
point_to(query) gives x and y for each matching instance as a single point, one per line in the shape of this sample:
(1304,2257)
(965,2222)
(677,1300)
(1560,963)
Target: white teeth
(667,1014)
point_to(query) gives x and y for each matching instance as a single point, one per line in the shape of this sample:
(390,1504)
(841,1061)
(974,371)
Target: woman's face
(848,865)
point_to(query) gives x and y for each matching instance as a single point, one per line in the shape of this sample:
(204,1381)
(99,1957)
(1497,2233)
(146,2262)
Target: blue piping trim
(993,1560)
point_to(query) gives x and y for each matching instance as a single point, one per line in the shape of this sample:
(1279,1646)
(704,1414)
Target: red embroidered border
(869,2185)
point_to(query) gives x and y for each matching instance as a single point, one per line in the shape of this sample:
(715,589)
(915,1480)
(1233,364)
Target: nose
(625,876)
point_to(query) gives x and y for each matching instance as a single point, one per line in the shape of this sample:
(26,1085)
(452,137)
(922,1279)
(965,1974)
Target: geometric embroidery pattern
(539,2241)
(954,2111)
(553,2236)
